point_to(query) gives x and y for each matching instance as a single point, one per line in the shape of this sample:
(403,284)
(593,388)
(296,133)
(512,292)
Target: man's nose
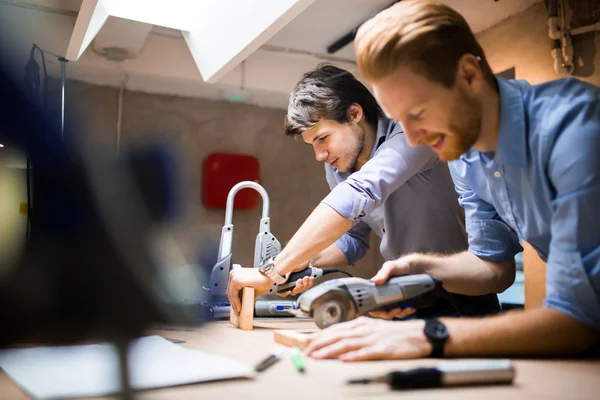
(321,155)
(414,134)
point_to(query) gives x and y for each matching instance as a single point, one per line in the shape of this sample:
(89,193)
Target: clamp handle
(219,276)
(237,188)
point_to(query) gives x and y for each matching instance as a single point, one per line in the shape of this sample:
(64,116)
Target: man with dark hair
(524,160)
(378,183)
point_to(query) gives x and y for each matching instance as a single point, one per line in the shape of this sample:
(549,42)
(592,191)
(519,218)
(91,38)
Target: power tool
(310,271)
(344,299)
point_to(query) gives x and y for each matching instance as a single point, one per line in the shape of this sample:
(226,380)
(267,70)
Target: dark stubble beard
(358,138)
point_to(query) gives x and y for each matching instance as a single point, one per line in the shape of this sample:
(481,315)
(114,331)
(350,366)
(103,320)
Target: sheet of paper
(92,370)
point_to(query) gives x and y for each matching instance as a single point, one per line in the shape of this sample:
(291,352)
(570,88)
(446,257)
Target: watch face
(436,330)
(265,266)
(268,265)
(440,331)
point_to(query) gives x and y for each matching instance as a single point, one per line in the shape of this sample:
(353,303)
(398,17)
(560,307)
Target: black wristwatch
(437,334)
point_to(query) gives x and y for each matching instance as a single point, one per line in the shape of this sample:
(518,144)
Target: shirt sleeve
(355,243)
(490,238)
(573,268)
(394,163)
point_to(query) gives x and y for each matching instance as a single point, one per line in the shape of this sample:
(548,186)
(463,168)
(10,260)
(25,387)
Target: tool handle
(295,276)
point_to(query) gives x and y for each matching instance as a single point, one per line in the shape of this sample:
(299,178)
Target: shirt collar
(380,135)
(512,144)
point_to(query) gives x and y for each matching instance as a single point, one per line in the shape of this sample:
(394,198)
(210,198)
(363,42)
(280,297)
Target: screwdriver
(451,373)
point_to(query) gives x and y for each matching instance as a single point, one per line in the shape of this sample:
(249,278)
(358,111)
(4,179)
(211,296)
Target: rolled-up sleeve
(363,191)
(355,243)
(490,238)
(573,268)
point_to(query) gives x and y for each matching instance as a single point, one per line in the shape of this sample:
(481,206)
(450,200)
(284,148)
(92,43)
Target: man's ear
(469,73)
(355,113)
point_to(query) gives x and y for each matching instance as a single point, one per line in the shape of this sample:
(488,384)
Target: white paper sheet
(92,370)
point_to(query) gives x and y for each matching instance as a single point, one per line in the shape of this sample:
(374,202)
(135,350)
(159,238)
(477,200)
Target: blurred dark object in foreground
(88,269)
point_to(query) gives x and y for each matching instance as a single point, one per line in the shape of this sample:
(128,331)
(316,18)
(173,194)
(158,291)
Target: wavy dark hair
(326,93)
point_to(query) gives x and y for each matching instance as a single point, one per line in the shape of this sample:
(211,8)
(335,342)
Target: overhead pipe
(554,31)
(585,29)
(561,46)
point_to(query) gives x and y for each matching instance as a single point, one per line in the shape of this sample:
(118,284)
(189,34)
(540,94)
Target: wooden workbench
(325,379)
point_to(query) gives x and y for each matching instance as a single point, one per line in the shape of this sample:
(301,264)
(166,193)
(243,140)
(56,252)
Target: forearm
(465,273)
(331,257)
(542,331)
(320,230)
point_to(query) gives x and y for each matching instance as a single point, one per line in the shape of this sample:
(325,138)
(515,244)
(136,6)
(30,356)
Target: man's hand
(401,266)
(302,284)
(370,339)
(245,277)
(398,313)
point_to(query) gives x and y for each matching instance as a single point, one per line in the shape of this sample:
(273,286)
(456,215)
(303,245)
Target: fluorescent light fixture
(219,33)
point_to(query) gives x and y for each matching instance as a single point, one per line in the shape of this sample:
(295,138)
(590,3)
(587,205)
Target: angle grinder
(344,299)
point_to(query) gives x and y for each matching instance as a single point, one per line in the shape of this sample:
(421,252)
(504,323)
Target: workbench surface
(535,379)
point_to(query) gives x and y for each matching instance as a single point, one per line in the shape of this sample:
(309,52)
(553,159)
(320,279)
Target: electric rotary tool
(310,271)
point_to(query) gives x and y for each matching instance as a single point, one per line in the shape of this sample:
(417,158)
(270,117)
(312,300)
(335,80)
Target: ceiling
(164,64)
(327,20)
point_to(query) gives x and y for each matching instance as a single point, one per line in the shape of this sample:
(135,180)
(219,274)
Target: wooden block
(244,321)
(292,338)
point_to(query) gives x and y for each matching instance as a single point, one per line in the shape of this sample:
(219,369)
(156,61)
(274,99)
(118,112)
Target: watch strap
(437,334)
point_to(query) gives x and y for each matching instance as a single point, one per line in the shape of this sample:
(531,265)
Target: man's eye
(418,115)
(322,139)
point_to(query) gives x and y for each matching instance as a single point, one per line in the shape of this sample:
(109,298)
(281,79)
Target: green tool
(297,359)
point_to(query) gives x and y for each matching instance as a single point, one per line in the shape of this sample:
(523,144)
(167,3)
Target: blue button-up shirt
(542,183)
(404,194)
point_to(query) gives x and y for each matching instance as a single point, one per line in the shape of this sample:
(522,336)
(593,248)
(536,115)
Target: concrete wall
(522,42)
(293,179)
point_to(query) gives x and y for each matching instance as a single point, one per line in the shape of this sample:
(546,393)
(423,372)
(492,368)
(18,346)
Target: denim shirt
(542,183)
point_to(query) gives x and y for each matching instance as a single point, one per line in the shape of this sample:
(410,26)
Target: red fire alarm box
(221,171)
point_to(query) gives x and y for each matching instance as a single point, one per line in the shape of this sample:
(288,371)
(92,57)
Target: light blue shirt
(543,183)
(404,194)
